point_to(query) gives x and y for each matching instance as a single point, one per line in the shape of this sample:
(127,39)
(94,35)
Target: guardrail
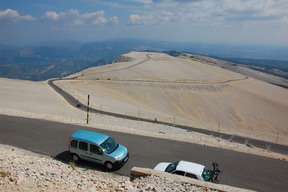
(269,146)
(142,172)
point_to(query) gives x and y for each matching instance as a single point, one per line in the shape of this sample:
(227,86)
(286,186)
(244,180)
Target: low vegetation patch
(5,174)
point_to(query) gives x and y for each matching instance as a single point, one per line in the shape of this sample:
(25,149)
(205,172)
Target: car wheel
(109,165)
(75,157)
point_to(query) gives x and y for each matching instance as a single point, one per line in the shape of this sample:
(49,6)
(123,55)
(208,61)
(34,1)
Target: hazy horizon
(258,22)
(50,42)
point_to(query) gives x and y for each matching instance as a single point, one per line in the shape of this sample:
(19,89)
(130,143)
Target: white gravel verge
(22,170)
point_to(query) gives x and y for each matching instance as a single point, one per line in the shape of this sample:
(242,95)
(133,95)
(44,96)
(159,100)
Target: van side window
(95,149)
(179,173)
(191,175)
(83,146)
(74,143)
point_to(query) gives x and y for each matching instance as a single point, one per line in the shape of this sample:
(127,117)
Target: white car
(188,169)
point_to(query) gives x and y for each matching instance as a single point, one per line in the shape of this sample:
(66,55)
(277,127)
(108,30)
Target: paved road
(232,138)
(239,169)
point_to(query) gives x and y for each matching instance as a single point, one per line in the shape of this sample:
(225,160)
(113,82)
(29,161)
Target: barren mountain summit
(182,91)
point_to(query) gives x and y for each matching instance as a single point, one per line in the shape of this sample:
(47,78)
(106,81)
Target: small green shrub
(72,164)
(4,174)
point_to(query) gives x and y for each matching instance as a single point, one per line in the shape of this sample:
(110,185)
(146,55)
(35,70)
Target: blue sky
(212,21)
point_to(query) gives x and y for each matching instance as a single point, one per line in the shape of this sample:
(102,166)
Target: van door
(90,152)
(83,150)
(96,154)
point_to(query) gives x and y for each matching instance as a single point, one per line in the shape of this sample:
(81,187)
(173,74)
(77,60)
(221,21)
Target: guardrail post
(88,109)
(277,136)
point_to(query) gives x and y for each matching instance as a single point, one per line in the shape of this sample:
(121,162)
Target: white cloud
(211,12)
(114,20)
(227,12)
(51,15)
(135,19)
(74,17)
(12,16)
(143,1)
(152,18)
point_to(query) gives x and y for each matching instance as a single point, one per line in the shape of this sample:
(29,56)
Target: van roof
(89,136)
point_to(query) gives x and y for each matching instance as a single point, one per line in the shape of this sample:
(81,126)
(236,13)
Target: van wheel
(109,165)
(75,157)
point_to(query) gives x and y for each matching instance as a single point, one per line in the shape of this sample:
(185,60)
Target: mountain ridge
(61,58)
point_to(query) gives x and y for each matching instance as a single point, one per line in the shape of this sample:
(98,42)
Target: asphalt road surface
(278,148)
(239,169)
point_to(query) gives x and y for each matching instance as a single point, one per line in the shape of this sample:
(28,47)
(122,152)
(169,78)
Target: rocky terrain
(22,170)
(185,92)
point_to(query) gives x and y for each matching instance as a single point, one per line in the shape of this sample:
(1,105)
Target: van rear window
(74,143)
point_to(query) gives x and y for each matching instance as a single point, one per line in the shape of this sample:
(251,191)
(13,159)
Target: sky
(257,22)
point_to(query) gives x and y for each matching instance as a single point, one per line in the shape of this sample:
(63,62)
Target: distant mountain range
(274,67)
(59,59)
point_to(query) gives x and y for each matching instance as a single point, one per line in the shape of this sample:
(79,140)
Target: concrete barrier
(142,172)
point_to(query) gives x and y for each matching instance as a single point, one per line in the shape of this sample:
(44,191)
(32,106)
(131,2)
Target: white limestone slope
(155,85)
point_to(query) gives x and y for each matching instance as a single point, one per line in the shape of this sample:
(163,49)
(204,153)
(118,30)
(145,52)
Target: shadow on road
(66,158)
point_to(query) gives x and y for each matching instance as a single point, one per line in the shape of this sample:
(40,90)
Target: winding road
(239,169)
(270,146)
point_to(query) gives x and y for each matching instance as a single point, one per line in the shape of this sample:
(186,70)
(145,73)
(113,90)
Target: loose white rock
(22,170)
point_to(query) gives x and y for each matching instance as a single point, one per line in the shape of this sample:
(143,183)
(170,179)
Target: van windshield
(109,145)
(171,167)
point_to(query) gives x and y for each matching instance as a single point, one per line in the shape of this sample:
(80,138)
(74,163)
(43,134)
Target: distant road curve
(283,149)
(175,82)
(120,69)
(153,81)
(232,138)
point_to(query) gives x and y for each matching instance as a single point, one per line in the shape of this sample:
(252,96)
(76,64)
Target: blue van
(97,148)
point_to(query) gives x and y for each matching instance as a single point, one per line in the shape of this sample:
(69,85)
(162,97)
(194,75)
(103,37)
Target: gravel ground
(23,170)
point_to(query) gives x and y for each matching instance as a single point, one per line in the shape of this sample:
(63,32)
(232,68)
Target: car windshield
(109,145)
(207,174)
(171,167)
